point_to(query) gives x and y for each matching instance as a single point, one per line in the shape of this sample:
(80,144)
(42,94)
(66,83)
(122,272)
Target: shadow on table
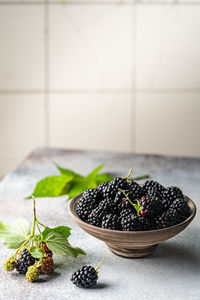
(185,251)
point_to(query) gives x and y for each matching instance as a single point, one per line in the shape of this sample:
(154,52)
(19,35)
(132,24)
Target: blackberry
(131,223)
(172,193)
(33,273)
(47,250)
(147,223)
(110,221)
(153,194)
(93,194)
(85,206)
(25,260)
(121,202)
(9,264)
(151,185)
(177,213)
(102,186)
(47,266)
(86,276)
(95,217)
(125,212)
(107,206)
(110,190)
(180,207)
(136,189)
(150,206)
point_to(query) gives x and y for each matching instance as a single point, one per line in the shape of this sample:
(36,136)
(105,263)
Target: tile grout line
(90,2)
(133,77)
(46,74)
(102,91)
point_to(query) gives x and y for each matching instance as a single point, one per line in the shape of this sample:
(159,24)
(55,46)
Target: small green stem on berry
(129,173)
(42,224)
(34,218)
(26,241)
(96,268)
(136,206)
(41,235)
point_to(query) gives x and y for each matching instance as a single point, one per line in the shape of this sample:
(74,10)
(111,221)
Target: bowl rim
(80,222)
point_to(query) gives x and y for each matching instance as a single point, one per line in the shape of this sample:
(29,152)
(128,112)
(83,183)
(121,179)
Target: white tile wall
(91,121)
(21,128)
(22,47)
(116,75)
(91,47)
(168,123)
(168,47)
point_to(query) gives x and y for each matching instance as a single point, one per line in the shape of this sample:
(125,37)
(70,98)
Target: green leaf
(14,234)
(77,251)
(57,243)
(103,177)
(91,178)
(62,229)
(37,253)
(76,187)
(52,186)
(68,172)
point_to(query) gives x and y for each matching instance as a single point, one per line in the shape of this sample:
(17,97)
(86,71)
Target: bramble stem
(129,173)
(41,235)
(137,207)
(96,268)
(42,224)
(34,217)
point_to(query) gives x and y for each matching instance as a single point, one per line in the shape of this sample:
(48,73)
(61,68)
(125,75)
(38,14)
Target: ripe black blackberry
(85,206)
(110,190)
(131,223)
(153,186)
(107,206)
(86,276)
(95,217)
(136,189)
(121,202)
(125,212)
(26,260)
(169,195)
(180,207)
(147,223)
(172,193)
(93,194)
(150,206)
(110,221)
(177,213)
(103,186)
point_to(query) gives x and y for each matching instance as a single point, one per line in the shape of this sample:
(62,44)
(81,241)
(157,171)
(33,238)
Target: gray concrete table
(172,272)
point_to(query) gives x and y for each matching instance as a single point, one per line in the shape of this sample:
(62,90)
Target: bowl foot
(132,253)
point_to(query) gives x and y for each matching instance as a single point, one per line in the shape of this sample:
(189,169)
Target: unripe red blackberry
(47,250)
(47,266)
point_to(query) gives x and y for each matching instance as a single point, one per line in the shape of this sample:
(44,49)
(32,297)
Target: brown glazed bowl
(132,244)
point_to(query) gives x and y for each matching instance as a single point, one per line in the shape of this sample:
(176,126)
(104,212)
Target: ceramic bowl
(131,244)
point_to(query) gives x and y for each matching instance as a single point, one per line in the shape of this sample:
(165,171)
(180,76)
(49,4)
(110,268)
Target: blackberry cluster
(123,204)
(26,260)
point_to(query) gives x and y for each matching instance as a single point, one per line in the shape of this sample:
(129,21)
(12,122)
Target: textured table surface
(172,271)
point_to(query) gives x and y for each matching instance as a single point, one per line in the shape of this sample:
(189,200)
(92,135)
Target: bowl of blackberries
(132,219)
